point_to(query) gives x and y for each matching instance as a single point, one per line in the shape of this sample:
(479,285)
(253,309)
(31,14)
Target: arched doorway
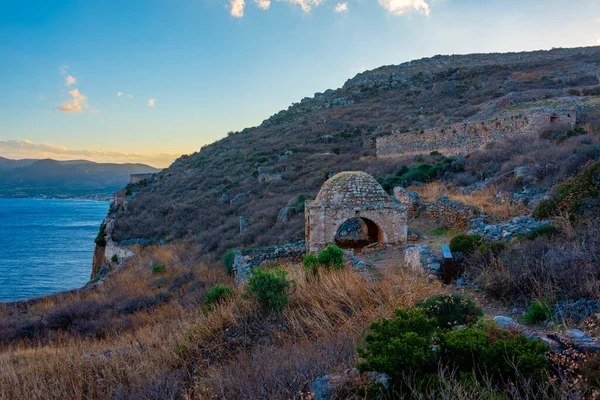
(356,233)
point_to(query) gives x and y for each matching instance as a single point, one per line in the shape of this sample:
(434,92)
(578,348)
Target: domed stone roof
(352,189)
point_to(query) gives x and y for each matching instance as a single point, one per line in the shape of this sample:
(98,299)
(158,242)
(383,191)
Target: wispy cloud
(151,102)
(341,7)
(306,5)
(17,149)
(41,98)
(401,7)
(70,81)
(129,96)
(63,69)
(119,94)
(77,104)
(237,8)
(264,4)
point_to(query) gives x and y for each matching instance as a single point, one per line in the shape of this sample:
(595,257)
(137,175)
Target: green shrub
(450,310)
(228,259)
(544,230)
(465,243)
(510,357)
(311,264)
(435,153)
(422,172)
(546,208)
(269,286)
(217,294)
(492,248)
(571,196)
(538,312)
(399,346)
(332,257)
(114,258)
(158,269)
(411,345)
(101,237)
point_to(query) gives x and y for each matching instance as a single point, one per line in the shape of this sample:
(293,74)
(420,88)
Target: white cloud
(63,69)
(129,96)
(237,8)
(119,94)
(41,98)
(78,103)
(306,5)
(70,81)
(151,102)
(341,7)
(17,149)
(264,4)
(401,7)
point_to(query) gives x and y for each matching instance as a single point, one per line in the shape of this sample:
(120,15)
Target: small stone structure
(408,198)
(137,178)
(448,213)
(466,137)
(350,195)
(246,259)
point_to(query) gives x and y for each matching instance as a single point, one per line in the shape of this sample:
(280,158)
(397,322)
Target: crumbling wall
(466,137)
(247,259)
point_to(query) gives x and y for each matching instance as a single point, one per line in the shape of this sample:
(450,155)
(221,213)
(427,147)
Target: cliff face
(203,196)
(108,255)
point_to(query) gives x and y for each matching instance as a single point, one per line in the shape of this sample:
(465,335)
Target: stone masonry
(246,259)
(466,137)
(350,195)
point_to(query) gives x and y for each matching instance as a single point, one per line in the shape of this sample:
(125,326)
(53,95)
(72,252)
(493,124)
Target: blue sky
(216,66)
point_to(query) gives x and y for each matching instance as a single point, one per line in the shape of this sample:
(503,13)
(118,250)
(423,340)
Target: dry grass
(238,350)
(481,199)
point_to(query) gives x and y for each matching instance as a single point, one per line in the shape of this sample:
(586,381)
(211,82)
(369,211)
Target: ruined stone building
(354,196)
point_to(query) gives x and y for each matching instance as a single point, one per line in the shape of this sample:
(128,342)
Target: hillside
(260,171)
(161,318)
(64,179)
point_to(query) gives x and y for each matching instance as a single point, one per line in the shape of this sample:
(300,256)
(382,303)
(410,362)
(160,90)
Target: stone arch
(363,232)
(350,195)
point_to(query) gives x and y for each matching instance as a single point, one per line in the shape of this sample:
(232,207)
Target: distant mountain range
(64,179)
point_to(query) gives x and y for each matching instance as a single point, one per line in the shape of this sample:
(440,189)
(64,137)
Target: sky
(149,80)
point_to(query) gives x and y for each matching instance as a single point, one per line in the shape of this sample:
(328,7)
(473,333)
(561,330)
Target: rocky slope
(230,193)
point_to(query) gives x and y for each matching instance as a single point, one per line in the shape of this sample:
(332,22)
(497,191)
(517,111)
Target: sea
(46,246)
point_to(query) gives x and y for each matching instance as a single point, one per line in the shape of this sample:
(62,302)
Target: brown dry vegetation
(237,350)
(482,199)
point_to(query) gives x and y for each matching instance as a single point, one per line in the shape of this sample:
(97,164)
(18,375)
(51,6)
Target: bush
(546,208)
(218,294)
(399,346)
(228,259)
(101,237)
(311,264)
(465,243)
(451,310)
(412,346)
(492,248)
(269,286)
(435,153)
(114,258)
(158,269)
(544,230)
(332,257)
(538,312)
(572,195)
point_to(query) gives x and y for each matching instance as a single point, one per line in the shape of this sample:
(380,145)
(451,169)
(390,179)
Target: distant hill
(64,179)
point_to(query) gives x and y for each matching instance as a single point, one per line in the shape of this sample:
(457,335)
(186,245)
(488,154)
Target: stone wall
(448,213)
(466,137)
(246,259)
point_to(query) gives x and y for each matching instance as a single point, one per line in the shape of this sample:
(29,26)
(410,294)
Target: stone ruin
(353,196)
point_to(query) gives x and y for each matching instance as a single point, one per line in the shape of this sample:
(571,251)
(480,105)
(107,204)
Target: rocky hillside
(261,176)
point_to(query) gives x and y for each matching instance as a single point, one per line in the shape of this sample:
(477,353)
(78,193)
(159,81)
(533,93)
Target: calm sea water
(46,246)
